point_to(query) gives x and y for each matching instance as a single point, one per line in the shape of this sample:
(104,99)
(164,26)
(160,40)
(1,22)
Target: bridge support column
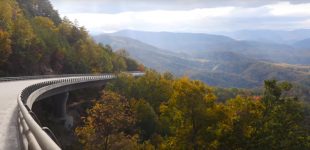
(60,104)
(60,109)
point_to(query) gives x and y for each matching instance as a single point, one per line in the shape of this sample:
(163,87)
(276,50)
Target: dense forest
(34,40)
(159,111)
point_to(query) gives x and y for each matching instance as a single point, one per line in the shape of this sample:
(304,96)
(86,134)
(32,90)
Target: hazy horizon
(186,16)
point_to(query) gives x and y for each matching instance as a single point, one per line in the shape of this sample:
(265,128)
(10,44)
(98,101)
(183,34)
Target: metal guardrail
(6,79)
(33,135)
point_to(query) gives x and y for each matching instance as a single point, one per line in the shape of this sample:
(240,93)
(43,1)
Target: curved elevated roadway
(13,107)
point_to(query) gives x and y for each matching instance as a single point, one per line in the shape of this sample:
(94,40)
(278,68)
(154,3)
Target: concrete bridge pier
(60,104)
(60,109)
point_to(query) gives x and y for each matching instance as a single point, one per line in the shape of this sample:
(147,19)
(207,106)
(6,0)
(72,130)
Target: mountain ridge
(200,45)
(271,36)
(217,68)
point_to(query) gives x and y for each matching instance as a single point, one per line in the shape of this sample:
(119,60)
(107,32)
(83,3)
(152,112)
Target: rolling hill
(217,68)
(177,42)
(151,56)
(200,45)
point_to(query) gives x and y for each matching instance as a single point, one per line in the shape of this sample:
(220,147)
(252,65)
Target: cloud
(157,20)
(279,15)
(287,9)
(117,6)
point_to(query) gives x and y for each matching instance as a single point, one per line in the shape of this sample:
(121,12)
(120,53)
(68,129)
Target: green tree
(154,88)
(123,85)
(33,8)
(281,126)
(119,64)
(274,121)
(147,119)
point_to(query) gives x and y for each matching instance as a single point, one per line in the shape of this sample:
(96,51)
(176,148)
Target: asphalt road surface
(9,136)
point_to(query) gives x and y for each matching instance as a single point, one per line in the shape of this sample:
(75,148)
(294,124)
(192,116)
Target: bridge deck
(9,137)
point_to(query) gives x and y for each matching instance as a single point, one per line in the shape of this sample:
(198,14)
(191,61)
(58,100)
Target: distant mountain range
(303,44)
(215,59)
(271,36)
(200,45)
(177,42)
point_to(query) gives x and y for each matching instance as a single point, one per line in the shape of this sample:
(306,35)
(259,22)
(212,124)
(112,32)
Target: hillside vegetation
(158,111)
(35,40)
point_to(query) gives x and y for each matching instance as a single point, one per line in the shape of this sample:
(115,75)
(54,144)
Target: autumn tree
(189,118)
(108,124)
(34,40)
(241,124)
(192,116)
(5,46)
(152,87)
(6,14)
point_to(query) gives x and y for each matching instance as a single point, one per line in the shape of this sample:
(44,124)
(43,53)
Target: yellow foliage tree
(6,14)
(108,124)
(5,46)
(192,116)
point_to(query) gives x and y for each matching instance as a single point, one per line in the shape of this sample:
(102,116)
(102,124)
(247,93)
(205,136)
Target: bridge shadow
(12,137)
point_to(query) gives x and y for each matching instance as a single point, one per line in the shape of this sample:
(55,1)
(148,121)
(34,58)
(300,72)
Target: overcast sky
(205,16)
